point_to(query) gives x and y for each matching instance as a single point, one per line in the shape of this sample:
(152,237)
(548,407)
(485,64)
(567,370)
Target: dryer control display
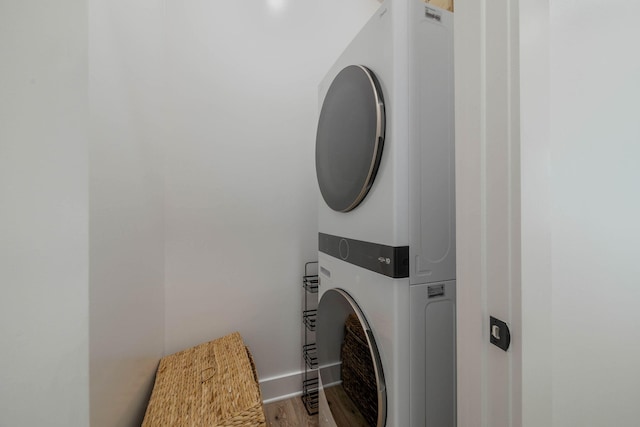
(350,138)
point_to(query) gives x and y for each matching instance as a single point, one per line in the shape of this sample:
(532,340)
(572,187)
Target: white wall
(83,229)
(126,186)
(575,343)
(43,214)
(488,216)
(580,98)
(240,180)
(595,199)
(535,188)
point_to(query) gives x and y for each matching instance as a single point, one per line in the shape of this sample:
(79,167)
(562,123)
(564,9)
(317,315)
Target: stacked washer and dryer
(385,168)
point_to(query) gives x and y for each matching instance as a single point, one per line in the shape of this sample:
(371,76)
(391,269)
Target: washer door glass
(350,138)
(352,387)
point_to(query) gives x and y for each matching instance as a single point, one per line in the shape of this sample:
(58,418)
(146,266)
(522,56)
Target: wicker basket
(212,384)
(358,376)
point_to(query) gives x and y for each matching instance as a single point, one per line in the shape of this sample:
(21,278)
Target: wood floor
(289,413)
(343,410)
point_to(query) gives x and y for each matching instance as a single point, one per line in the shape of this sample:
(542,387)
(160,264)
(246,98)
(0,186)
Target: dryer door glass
(352,387)
(350,138)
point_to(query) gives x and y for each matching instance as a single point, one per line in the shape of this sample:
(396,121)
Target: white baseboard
(286,386)
(281,387)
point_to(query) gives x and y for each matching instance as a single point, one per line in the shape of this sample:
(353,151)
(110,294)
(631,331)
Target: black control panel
(391,261)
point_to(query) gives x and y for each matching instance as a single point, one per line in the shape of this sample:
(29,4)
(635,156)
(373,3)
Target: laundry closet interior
(167,170)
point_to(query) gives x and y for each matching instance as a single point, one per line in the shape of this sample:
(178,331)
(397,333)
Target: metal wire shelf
(309,319)
(310,389)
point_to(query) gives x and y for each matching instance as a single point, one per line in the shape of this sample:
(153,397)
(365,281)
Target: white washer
(410,333)
(387,224)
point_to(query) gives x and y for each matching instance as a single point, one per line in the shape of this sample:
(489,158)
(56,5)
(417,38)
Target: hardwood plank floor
(343,410)
(289,413)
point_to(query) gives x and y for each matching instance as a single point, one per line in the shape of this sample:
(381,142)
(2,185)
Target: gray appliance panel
(433,355)
(431,149)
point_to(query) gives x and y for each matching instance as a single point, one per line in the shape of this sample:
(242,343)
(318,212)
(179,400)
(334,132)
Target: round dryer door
(350,138)
(352,387)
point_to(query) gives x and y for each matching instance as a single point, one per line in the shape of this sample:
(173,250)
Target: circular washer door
(352,387)
(350,138)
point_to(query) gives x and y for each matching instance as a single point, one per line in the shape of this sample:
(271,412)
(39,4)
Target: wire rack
(310,381)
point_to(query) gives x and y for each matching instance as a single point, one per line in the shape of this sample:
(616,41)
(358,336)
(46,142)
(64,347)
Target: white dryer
(385,167)
(384,146)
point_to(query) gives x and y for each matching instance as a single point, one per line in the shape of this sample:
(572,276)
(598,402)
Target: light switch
(495,331)
(500,334)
